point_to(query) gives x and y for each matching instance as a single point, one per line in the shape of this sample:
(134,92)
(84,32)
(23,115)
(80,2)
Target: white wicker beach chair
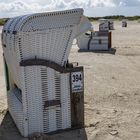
(104,25)
(39,96)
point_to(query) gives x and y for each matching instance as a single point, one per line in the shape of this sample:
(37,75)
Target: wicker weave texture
(46,36)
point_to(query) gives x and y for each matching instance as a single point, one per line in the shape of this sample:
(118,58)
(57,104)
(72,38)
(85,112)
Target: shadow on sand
(8,131)
(110,51)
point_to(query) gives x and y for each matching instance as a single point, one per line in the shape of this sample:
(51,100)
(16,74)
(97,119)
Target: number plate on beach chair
(77,79)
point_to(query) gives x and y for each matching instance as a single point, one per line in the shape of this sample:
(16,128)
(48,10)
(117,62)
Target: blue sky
(11,8)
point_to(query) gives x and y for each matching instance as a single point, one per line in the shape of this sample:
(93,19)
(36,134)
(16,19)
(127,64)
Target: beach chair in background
(95,41)
(124,23)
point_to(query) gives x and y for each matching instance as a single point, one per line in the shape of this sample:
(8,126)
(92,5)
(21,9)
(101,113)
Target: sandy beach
(112,91)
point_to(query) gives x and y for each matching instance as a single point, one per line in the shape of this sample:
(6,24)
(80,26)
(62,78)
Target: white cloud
(35,5)
(18,7)
(129,3)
